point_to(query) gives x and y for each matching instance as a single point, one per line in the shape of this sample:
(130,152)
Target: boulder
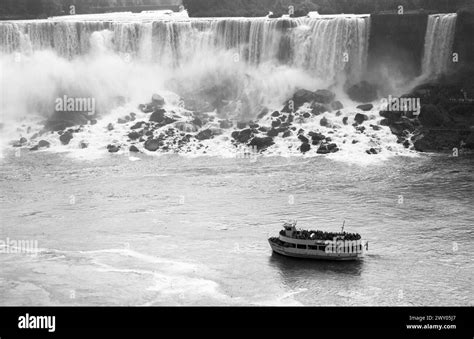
(360,118)
(365,107)
(276,123)
(326,148)
(41,144)
(303,138)
(20,142)
(113,148)
(261,143)
(337,105)
(372,151)
(153,145)
(303,96)
(65,138)
(325,122)
(197,122)
(253,125)
(324,96)
(60,120)
(272,133)
(376,127)
(134,149)
(134,135)
(316,137)
(317,108)
(110,127)
(138,125)
(275,114)
(305,147)
(157,101)
(158,116)
(243,136)
(362,92)
(204,135)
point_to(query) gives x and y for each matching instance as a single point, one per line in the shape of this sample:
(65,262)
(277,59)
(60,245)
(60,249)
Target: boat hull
(313,254)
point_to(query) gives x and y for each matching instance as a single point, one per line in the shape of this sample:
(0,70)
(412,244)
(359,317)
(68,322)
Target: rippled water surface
(179,231)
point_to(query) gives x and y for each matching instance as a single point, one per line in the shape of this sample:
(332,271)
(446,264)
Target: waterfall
(438,44)
(328,47)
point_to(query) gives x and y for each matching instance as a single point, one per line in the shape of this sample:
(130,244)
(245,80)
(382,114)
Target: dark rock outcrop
(305,147)
(360,118)
(261,143)
(134,135)
(327,148)
(113,148)
(318,108)
(365,107)
(337,105)
(362,92)
(61,120)
(134,149)
(434,116)
(243,136)
(66,137)
(204,135)
(153,145)
(138,125)
(41,144)
(324,96)
(157,101)
(303,139)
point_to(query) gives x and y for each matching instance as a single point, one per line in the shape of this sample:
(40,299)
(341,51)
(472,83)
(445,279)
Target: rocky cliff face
(464,41)
(397,42)
(446,120)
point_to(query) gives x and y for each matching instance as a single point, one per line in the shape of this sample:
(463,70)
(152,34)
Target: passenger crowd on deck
(320,235)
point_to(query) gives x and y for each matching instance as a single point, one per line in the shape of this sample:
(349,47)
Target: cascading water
(231,68)
(327,47)
(438,44)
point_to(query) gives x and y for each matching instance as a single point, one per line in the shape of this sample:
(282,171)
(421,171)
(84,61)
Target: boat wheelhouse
(317,244)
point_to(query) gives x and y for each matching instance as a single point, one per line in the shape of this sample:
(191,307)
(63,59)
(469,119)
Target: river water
(174,230)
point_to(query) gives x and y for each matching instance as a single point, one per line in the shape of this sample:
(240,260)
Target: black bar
(389,320)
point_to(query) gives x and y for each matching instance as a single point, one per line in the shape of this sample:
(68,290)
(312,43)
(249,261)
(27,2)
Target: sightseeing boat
(317,244)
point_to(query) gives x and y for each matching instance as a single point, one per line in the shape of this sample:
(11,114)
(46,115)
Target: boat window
(322,248)
(311,247)
(302,247)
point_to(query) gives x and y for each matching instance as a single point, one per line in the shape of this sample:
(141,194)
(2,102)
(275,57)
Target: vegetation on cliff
(20,9)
